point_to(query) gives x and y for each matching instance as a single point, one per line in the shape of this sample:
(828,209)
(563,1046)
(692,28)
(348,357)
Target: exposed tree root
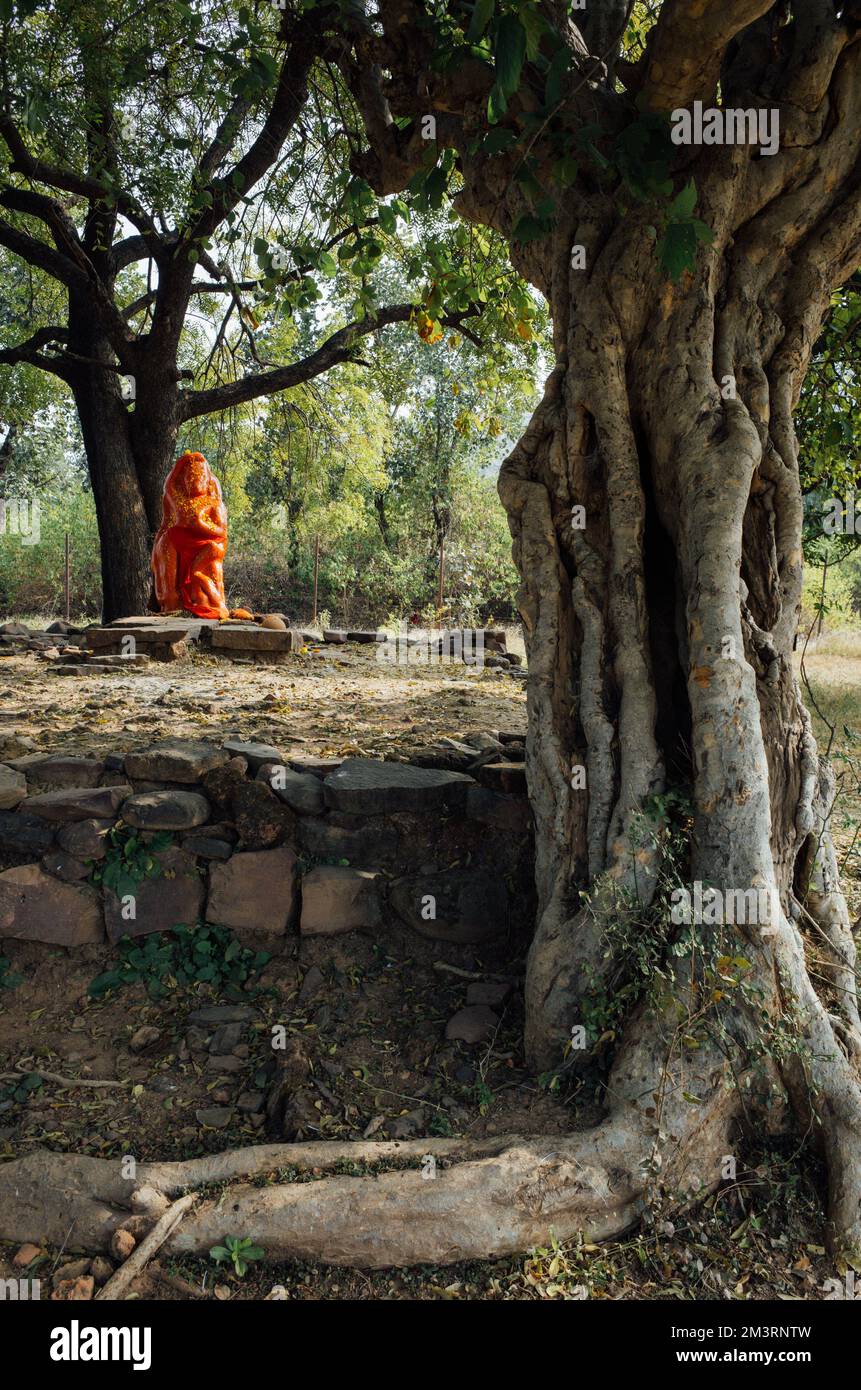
(483,1200)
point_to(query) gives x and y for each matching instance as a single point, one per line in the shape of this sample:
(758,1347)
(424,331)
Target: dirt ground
(371,1030)
(327,700)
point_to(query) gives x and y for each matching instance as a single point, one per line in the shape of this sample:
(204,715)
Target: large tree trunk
(660,637)
(129,452)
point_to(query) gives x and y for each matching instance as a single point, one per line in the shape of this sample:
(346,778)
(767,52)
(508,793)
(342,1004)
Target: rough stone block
(13,787)
(34,906)
(78,803)
(254,891)
(252,639)
(85,839)
(174,899)
(254,753)
(45,772)
(24,834)
(462,905)
(503,777)
(337,899)
(301,791)
(175,760)
(166,810)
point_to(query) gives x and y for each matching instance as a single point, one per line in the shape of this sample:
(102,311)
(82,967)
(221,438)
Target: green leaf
(509,54)
(565,171)
(499,139)
(481,16)
(529,229)
(102,983)
(703,231)
(496,104)
(677,248)
(684,203)
(554,86)
(535,27)
(435,186)
(586,137)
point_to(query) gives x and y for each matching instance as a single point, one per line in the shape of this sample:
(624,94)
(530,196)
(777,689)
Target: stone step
(147,636)
(111,659)
(249,639)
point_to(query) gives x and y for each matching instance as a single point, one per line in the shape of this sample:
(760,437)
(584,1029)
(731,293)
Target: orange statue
(188,555)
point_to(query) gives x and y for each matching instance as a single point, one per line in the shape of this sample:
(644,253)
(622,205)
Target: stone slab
(48,772)
(336,899)
(166,810)
(174,899)
(78,803)
(368,787)
(13,787)
(252,639)
(175,760)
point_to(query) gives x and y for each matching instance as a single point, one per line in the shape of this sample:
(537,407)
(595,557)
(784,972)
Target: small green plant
(8,978)
(238,1251)
(187,955)
(17,1092)
(483,1096)
(130,859)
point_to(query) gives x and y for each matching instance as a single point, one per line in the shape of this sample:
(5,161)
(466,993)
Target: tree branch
(140,248)
(198,287)
(28,351)
(223,138)
(687,45)
(339,347)
(39,254)
(290,96)
(69,180)
(55,217)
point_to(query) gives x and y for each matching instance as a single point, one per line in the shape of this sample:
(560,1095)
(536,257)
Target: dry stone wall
(267,844)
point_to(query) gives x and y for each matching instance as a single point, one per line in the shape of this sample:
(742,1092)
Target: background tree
(828,420)
(152,159)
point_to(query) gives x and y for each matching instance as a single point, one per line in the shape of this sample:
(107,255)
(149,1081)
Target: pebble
(214,1117)
(144,1037)
(26,1255)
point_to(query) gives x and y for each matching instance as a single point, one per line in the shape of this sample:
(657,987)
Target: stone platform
(168,638)
(135,641)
